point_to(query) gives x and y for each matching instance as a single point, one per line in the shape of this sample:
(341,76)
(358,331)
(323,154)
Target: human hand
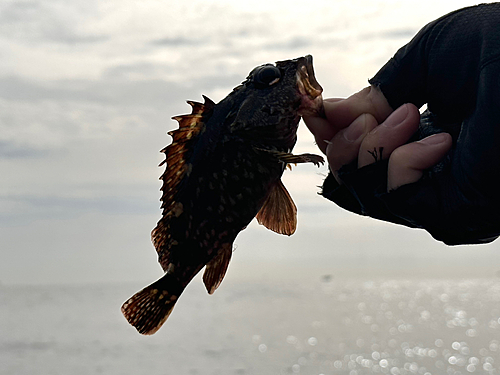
(385,172)
(344,140)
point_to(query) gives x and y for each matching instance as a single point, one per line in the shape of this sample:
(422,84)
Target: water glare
(420,327)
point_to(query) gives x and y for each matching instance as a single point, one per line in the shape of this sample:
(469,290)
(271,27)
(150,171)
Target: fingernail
(434,139)
(397,117)
(355,130)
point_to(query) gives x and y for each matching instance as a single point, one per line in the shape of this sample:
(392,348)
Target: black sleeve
(453,65)
(441,64)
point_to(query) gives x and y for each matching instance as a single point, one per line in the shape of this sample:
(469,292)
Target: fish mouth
(309,88)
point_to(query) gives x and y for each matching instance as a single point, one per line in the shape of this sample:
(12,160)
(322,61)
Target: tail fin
(148,309)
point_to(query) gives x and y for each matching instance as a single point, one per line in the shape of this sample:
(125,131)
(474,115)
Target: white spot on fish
(178,209)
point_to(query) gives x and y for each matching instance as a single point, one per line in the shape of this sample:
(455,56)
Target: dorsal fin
(278,213)
(186,121)
(200,108)
(176,158)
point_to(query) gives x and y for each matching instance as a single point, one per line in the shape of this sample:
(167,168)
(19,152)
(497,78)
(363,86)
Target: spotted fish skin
(224,168)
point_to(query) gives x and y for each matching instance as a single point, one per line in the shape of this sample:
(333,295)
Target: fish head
(301,72)
(276,95)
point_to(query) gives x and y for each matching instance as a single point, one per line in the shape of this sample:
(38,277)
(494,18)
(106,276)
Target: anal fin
(278,213)
(215,270)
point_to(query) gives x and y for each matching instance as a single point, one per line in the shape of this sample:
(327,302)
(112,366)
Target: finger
(340,113)
(321,127)
(344,147)
(395,131)
(369,100)
(407,163)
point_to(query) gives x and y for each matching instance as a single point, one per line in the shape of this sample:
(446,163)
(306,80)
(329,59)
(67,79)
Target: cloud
(147,74)
(14,150)
(117,87)
(37,116)
(177,41)
(150,92)
(36,21)
(400,33)
(15,207)
(290,44)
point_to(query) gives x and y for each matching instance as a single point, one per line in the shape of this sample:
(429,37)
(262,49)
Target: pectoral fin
(279,213)
(216,269)
(289,158)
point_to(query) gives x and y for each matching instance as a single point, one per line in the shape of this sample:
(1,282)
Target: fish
(223,169)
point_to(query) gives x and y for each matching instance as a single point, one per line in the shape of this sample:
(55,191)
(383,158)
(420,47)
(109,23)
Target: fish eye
(266,75)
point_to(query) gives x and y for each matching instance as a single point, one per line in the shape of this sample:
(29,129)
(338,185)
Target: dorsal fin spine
(190,126)
(188,120)
(209,104)
(183,139)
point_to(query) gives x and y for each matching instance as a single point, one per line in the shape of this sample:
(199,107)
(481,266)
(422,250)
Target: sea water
(321,326)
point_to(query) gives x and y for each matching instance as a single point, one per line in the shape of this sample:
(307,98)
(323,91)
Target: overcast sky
(87,90)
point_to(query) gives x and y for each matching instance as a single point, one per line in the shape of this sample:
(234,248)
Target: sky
(87,92)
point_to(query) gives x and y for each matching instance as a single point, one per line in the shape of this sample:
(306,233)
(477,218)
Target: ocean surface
(321,325)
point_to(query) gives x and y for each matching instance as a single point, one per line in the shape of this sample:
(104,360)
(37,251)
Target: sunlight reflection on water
(324,327)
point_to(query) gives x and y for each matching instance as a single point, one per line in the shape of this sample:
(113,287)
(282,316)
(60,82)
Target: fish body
(224,168)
